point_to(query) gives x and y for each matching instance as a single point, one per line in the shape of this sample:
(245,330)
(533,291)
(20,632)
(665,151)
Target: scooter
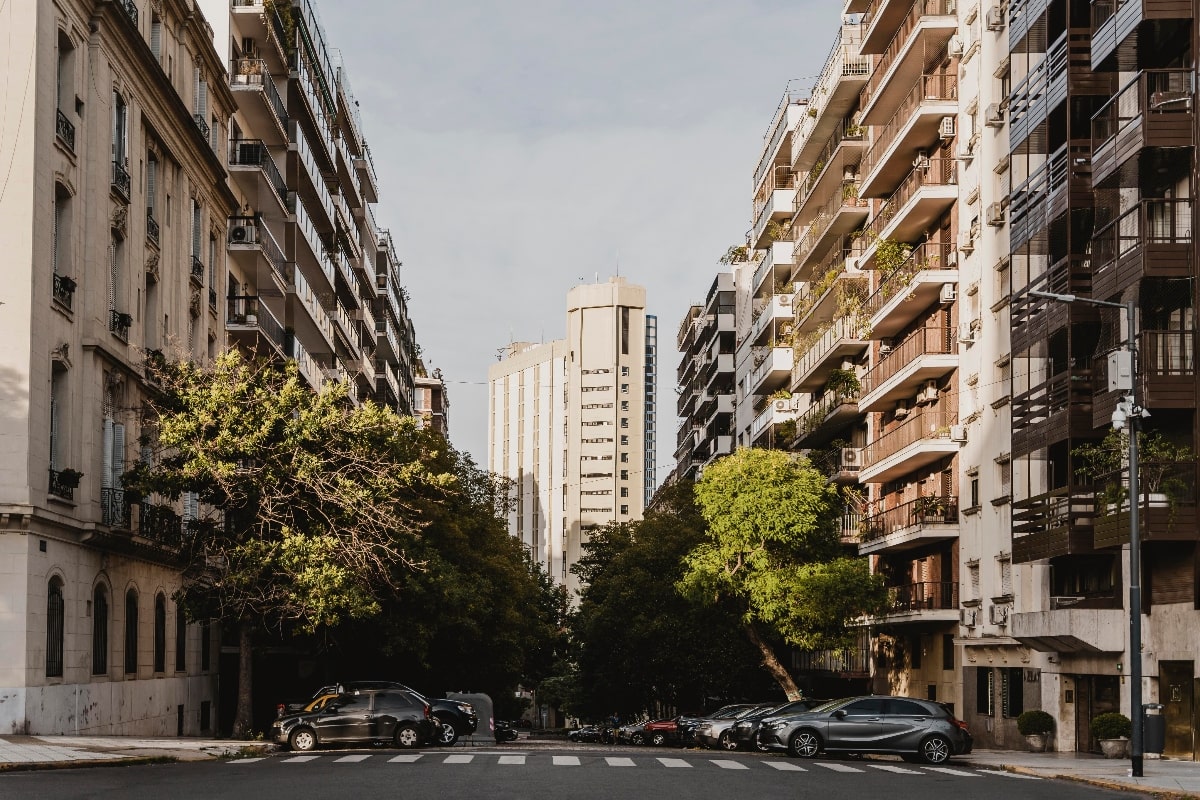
(504,732)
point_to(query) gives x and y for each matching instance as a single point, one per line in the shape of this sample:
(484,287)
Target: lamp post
(1128,412)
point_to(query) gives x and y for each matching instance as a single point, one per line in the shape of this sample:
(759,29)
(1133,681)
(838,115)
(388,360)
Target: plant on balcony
(780,394)
(849,190)
(843,383)
(736,254)
(785,432)
(854,131)
(1159,459)
(890,254)
(931,506)
(776,231)
(69,478)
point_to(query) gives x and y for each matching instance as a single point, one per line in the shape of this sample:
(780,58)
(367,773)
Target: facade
(431,403)
(706,380)
(568,423)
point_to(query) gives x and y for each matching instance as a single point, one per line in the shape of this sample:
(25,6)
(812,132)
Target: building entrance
(1094,694)
(1177,693)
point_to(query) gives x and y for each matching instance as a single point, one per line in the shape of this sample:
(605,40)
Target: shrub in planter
(1035,722)
(1112,725)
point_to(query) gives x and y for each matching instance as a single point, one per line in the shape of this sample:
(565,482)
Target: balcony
(131,10)
(1033,319)
(64,291)
(922,35)
(120,180)
(927,354)
(718,365)
(922,439)
(714,406)
(821,421)
(1167,506)
(918,203)
(114,508)
(119,324)
(776,412)
(254,90)
(837,162)
(63,483)
(1055,523)
(310,252)
(1151,239)
(686,403)
(368,182)
(913,126)
(833,96)
(388,345)
(160,525)
(839,341)
(196,271)
(778,137)
(922,602)
(842,213)
(306,103)
(344,325)
(1065,68)
(1052,410)
(772,368)
(252,326)
(258,20)
(772,204)
(253,247)
(309,319)
(1061,183)
(253,168)
(773,309)
(306,364)
(774,268)
(64,130)
(819,302)
(1167,365)
(1119,30)
(911,288)
(1072,630)
(925,520)
(1152,110)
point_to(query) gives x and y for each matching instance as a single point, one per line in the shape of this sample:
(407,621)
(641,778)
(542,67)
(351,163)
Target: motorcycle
(504,732)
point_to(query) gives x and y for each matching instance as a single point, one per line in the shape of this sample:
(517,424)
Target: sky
(526,146)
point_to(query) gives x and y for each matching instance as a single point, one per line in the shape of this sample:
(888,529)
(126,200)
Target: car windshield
(728,711)
(833,704)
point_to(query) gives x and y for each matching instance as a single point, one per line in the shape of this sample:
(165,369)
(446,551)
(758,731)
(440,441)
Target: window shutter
(113,275)
(53,429)
(57,219)
(156,39)
(191,506)
(116,124)
(151,183)
(118,454)
(195,228)
(106,480)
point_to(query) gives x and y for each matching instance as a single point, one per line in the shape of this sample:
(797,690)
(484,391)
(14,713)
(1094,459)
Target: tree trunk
(243,722)
(773,665)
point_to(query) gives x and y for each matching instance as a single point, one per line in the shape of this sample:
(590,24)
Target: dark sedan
(916,730)
(743,734)
(377,716)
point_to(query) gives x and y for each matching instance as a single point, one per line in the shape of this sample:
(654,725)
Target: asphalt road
(502,773)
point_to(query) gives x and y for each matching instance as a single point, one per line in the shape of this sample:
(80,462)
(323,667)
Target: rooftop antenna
(618,263)
(597,277)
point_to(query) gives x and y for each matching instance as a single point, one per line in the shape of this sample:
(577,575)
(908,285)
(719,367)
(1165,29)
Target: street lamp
(1128,412)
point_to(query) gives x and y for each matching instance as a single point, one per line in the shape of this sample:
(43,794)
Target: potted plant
(1036,726)
(1112,730)
(843,383)
(931,508)
(69,478)
(1106,460)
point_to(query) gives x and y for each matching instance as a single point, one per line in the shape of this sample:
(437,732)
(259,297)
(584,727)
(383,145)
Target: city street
(581,774)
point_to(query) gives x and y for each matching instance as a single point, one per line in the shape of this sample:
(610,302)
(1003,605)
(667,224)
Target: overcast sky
(525,146)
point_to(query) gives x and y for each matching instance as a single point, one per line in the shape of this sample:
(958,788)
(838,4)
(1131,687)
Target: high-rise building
(706,380)
(568,425)
(431,402)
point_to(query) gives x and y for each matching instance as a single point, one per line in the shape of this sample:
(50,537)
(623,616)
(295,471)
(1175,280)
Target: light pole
(1128,412)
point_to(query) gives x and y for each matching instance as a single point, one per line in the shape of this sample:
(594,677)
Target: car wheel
(302,740)
(759,746)
(637,738)
(658,739)
(407,737)
(935,750)
(726,742)
(446,734)
(804,744)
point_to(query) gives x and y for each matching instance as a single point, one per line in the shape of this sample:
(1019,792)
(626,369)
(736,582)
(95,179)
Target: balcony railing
(846,132)
(64,290)
(152,228)
(1155,221)
(924,341)
(782,178)
(63,483)
(842,329)
(254,72)
(254,153)
(926,172)
(202,124)
(253,231)
(119,324)
(936,87)
(120,179)
(1167,353)
(923,596)
(196,271)
(928,256)
(919,11)
(160,524)
(1152,91)
(918,427)
(130,8)
(927,510)
(248,310)
(814,417)
(114,510)
(64,129)
(844,198)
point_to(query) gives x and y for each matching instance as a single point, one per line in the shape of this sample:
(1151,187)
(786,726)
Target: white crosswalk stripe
(952,771)
(352,759)
(300,759)
(727,764)
(459,759)
(838,767)
(674,762)
(566,761)
(1007,774)
(406,758)
(892,768)
(786,766)
(512,760)
(617,761)
(244,760)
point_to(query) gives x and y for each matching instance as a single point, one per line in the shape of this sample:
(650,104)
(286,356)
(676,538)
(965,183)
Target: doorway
(1176,681)
(1094,695)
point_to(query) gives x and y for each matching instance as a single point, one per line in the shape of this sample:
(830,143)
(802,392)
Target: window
(115,257)
(624,458)
(624,332)
(180,639)
(131,631)
(156,37)
(1005,576)
(60,253)
(205,646)
(868,706)
(624,474)
(200,109)
(1012,700)
(624,405)
(624,388)
(917,651)
(120,132)
(65,86)
(624,492)
(948,651)
(973,581)
(624,422)
(160,634)
(624,509)
(99,631)
(984,690)
(196,221)
(624,372)
(974,492)
(54,628)
(624,439)
(905,708)
(151,185)
(58,391)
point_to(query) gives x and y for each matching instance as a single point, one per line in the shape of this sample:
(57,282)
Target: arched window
(100,631)
(180,639)
(131,631)
(54,628)
(160,633)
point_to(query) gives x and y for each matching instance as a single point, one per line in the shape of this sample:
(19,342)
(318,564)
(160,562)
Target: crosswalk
(667,762)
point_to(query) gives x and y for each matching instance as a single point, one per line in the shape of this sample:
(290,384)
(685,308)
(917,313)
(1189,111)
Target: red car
(661,731)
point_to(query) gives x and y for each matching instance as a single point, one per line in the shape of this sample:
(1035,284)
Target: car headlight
(774,725)
(466,709)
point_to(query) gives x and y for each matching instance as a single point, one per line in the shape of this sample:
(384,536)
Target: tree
(303,505)
(773,549)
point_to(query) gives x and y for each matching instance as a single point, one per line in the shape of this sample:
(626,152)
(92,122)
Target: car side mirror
(840,714)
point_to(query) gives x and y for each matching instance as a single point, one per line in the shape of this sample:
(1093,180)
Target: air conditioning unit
(783,405)
(995,19)
(928,393)
(884,349)
(955,47)
(993,116)
(999,615)
(966,333)
(948,294)
(958,433)
(243,234)
(901,409)
(995,214)
(946,128)
(969,616)
(952,259)
(921,161)
(850,458)
(785,299)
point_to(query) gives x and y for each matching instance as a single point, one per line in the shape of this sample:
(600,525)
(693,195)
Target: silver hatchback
(916,730)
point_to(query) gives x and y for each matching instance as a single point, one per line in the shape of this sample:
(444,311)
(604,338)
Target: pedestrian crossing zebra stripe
(836,767)
(892,768)
(786,766)
(511,760)
(352,759)
(566,761)
(952,771)
(618,761)
(459,759)
(675,762)
(406,758)
(728,764)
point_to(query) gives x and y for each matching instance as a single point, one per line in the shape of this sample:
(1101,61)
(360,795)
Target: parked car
(713,733)
(661,731)
(688,724)
(399,716)
(916,730)
(743,733)
(453,718)
(588,733)
(632,733)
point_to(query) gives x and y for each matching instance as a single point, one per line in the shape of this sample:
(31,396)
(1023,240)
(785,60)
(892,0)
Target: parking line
(952,771)
(674,762)
(836,767)
(300,759)
(511,760)
(406,758)
(727,764)
(891,768)
(619,761)
(786,766)
(566,761)
(459,759)
(351,759)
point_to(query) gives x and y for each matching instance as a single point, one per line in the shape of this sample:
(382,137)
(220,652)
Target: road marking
(245,760)
(727,764)
(618,761)
(1008,774)
(351,759)
(952,771)
(512,760)
(673,762)
(787,766)
(459,759)
(300,759)
(566,761)
(407,758)
(838,767)
(890,768)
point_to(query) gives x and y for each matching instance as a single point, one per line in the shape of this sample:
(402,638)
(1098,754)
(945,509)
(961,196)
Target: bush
(1112,725)
(1035,722)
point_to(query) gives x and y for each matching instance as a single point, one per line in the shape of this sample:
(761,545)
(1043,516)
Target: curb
(30,766)
(1103,783)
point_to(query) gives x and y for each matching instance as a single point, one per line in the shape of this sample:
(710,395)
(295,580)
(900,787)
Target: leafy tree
(306,504)
(772,548)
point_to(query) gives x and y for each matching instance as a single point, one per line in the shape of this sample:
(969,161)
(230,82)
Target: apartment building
(431,401)
(115,213)
(567,424)
(705,380)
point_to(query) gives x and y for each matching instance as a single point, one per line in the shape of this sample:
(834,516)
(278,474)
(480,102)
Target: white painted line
(512,760)
(352,759)
(1008,774)
(618,761)
(836,767)
(673,762)
(459,759)
(952,771)
(244,760)
(727,764)
(407,758)
(566,761)
(300,759)
(786,766)
(890,768)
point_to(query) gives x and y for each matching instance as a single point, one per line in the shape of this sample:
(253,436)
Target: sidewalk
(48,752)
(1165,777)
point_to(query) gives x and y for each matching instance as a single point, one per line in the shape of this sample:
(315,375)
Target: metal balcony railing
(249,311)
(114,510)
(61,486)
(924,341)
(254,153)
(923,596)
(936,87)
(254,72)
(919,11)
(928,256)
(160,524)
(253,231)
(130,8)
(64,290)
(120,179)
(920,426)
(925,172)
(1152,91)
(1154,221)
(152,228)
(119,324)
(64,129)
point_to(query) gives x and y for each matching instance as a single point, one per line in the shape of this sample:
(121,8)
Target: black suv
(451,717)
(377,715)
